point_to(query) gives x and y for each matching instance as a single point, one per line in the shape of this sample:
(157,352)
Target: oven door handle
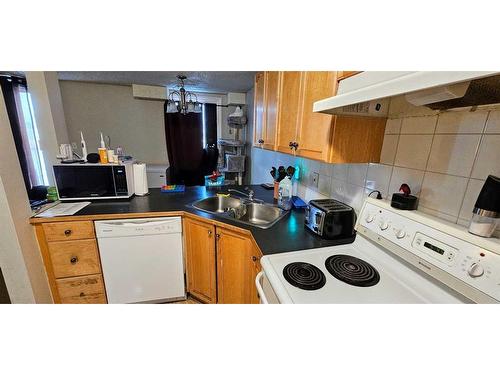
(258,284)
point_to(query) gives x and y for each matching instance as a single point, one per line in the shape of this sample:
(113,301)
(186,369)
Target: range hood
(369,93)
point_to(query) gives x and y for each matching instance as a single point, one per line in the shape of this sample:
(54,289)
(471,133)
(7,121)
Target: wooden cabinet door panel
(235,268)
(256,255)
(271,109)
(289,110)
(258,116)
(315,130)
(200,259)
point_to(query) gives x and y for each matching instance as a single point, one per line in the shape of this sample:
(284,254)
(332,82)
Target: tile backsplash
(444,157)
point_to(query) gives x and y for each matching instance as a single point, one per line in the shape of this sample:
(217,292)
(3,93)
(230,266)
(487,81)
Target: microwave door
(84,182)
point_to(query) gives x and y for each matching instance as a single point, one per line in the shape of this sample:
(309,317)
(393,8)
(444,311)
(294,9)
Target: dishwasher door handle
(258,284)
(138,223)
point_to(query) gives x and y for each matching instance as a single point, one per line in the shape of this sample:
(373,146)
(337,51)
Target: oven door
(265,290)
(84,182)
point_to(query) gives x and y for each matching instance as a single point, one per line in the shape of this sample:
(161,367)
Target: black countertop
(288,234)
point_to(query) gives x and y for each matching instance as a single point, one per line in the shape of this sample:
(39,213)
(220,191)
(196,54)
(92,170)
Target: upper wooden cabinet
(266,98)
(315,129)
(346,74)
(258,105)
(287,117)
(290,109)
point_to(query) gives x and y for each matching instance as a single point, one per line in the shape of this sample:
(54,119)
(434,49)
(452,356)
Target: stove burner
(304,276)
(351,270)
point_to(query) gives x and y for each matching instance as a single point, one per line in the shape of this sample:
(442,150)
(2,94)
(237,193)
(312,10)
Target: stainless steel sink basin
(262,215)
(217,204)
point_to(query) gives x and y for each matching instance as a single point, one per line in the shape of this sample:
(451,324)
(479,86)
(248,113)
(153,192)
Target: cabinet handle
(254,258)
(82,294)
(217,236)
(209,233)
(74,260)
(67,232)
(261,141)
(290,145)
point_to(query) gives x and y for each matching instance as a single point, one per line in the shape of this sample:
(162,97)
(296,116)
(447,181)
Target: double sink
(250,212)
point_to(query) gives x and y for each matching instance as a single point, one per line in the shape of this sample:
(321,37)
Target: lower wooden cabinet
(71,258)
(199,245)
(221,263)
(84,289)
(236,267)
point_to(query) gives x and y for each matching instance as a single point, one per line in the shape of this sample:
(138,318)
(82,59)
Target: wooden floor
(189,301)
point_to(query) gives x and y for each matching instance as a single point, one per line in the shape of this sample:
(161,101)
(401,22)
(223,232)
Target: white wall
(135,124)
(20,257)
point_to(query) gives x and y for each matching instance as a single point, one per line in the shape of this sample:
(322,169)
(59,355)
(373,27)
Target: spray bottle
(84,147)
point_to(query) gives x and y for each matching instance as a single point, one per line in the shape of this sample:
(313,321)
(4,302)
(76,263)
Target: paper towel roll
(140,179)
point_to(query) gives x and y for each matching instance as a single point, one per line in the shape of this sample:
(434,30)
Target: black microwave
(94,181)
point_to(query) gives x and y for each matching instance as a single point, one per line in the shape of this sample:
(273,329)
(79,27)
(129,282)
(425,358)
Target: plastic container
(219,181)
(103,155)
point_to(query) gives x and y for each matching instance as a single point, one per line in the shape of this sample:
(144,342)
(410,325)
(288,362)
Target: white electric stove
(397,257)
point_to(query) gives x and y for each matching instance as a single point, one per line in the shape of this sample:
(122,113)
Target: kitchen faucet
(250,193)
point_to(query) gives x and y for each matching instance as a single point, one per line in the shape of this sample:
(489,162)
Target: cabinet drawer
(74,258)
(71,230)
(86,289)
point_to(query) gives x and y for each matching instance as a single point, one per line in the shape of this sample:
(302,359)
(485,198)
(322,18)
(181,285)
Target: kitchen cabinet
(346,74)
(300,131)
(71,258)
(221,261)
(199,247)
(238,262)
(315,129)
(266,99)
(258,114)
(290,110)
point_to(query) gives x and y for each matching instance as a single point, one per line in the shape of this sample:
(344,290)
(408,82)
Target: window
(24,130)
(31,140)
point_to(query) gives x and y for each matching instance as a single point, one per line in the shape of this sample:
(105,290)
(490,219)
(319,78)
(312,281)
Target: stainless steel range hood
(369,93)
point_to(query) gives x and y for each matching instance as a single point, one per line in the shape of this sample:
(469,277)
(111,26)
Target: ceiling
(214,82)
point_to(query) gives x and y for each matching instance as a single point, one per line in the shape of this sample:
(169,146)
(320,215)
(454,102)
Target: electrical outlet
(315,179)
(73,144)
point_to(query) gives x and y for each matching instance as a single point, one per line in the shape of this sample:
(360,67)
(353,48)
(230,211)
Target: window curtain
(14,90)
(191,145)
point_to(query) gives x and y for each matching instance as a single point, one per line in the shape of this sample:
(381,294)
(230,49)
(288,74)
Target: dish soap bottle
(285,194)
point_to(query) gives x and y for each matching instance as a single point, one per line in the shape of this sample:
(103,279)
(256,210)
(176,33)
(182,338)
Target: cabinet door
(289,110)
(235,268)
(272,82)
(200,259)
(315,129)
(258,116)
(256,268)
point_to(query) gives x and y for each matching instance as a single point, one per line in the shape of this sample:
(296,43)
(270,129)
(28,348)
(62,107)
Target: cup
(103,156)
(111,156)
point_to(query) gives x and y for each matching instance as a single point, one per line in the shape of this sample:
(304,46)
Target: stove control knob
(475,270)
(384,225)
(369,218)
(400,234)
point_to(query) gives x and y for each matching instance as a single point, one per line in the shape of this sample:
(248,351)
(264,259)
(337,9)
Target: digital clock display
(434,248)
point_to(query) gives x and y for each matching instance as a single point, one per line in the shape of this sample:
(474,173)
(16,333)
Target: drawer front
(71,230)
(74,258)
(86,289)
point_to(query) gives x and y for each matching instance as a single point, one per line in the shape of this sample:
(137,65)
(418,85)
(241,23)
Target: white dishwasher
(142,259)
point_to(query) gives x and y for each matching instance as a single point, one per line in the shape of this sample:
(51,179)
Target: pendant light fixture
(182,100)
